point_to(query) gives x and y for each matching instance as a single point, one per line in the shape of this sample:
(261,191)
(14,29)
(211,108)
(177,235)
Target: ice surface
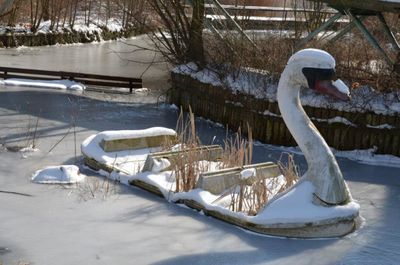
(65,174)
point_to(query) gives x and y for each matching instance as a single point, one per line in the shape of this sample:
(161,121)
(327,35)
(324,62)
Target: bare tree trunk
(45,10)
(108,11)
(89,12)
(66,8)
(196,49)
(36,16)
(72,15)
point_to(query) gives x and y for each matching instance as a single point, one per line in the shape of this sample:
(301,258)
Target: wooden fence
(87,79)
(263,116)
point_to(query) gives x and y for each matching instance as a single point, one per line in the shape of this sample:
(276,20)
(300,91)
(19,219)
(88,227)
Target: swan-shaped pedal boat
(318,205)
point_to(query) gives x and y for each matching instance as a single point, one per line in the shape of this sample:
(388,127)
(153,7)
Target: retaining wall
(263,116)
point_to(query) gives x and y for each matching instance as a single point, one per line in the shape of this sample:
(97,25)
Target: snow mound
(57,84)
(160,165)
(66,174)
(248,173)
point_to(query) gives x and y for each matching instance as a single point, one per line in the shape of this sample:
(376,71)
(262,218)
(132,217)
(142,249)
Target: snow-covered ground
(132,225)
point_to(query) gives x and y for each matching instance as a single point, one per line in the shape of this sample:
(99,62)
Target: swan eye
(314,74)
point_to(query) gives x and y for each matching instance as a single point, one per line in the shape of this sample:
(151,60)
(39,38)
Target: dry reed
(238,151)
(186,167)
(250,199)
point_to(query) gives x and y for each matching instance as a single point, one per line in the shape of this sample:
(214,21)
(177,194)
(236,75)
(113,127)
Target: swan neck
(323,170)
(299,124)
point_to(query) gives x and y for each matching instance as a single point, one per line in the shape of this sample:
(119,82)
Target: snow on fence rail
(87,79)
(343,130)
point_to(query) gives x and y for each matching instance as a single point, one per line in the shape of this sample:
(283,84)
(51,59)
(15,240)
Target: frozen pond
(109,58)
(61,225)
(100,223)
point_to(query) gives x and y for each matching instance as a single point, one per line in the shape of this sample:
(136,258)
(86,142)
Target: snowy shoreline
(261,85)
(21,35)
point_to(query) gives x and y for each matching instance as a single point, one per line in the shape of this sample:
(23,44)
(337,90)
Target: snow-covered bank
(57,84)
(261,85)
(48,34)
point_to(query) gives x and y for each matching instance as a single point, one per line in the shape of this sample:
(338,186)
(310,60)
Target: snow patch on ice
(27,151)
(369,157)
(66,174)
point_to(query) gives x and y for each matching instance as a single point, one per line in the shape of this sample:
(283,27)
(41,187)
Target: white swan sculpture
(314,69)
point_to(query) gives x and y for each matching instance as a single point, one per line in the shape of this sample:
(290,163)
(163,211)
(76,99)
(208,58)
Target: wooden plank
(148,187)
(208,152)
(136,143)
(219,181)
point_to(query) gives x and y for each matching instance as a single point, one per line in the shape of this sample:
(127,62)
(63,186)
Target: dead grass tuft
(251,199)
(238,151)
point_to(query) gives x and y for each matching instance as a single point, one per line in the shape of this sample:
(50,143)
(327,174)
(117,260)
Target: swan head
(315,69)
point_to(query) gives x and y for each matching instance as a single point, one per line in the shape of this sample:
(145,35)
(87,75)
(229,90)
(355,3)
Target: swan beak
(336,89)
